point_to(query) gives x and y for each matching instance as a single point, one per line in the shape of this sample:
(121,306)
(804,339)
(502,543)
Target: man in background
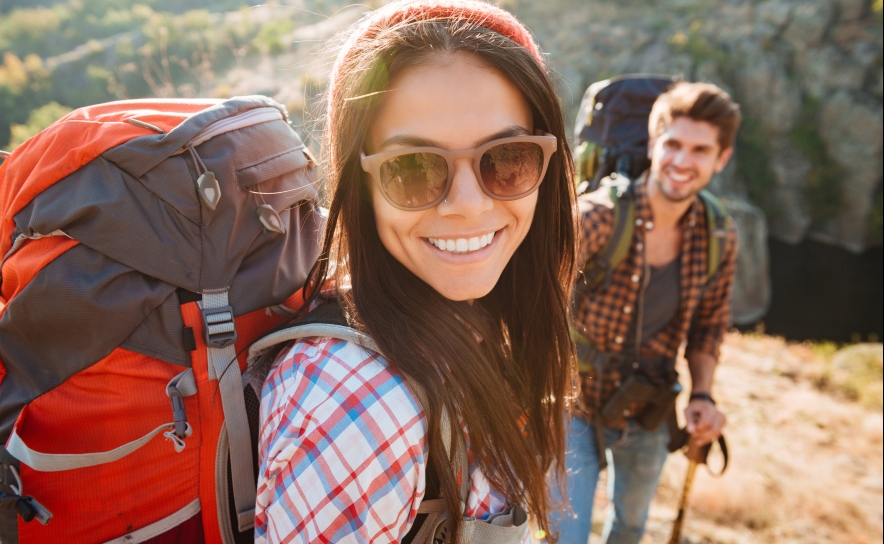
(659,296)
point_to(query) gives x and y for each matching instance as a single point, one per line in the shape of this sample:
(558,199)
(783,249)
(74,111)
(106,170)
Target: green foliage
(696,46)
(753,163)
(269,38)
(38,119)
(822,189)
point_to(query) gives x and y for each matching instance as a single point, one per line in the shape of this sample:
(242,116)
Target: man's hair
(699,102)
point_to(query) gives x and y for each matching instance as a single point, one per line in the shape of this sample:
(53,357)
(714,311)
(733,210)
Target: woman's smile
(465,244)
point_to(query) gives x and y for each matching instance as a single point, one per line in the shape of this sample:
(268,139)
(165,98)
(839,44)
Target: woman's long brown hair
(511,389)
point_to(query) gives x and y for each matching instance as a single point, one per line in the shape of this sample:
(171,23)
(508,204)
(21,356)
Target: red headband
(407,11)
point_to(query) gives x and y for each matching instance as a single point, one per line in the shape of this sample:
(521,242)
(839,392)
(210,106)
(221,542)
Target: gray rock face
(808,22)
(789,63)
(851,10)
(826,69)
(751,295)
(776,98)
(790,166)
(851,125)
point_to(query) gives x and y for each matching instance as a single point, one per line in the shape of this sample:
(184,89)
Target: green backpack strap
(598,270)
(586,164)
(716,225)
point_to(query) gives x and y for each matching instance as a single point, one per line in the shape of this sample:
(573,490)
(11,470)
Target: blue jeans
(635,462)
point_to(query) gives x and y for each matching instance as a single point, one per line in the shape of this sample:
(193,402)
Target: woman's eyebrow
(407,140)
(508,132)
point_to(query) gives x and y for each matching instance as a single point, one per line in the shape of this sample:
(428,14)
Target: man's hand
(704,421)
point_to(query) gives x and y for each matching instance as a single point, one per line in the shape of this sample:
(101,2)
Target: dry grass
(805,432)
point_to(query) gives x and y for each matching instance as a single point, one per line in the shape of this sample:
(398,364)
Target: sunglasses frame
(371,164)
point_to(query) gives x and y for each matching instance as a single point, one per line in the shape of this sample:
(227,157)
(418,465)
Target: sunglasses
(418,178)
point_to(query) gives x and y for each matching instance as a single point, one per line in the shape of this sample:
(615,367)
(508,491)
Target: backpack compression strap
(219,331)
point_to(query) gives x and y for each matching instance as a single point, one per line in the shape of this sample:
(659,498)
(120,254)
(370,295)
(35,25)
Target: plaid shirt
(343,450)
(605,318)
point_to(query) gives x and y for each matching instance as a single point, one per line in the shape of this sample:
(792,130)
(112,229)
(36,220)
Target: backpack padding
(599,270)
(716,228)
(75,140)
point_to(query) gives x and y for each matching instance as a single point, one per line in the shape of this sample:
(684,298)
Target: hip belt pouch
(638,390)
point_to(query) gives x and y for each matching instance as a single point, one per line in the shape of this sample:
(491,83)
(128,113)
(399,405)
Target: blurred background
(802,382)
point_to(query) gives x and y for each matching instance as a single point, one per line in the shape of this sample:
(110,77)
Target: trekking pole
(696,456)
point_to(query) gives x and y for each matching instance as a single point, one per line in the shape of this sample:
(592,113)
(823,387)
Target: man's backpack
(145,245)
(611,137)
(611,130)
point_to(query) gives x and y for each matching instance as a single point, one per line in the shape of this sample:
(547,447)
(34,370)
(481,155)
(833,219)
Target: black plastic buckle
(22,505)
(179,414)
(219,319)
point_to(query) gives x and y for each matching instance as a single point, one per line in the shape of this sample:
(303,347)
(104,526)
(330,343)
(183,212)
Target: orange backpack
(145,245)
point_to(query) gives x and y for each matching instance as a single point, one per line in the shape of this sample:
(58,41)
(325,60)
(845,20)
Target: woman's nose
(466,197)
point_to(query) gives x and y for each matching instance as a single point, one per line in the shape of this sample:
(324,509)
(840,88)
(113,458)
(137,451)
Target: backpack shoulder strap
(599,269)
(716,226)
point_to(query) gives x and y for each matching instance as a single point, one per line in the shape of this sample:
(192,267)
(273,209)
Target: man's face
(685,157)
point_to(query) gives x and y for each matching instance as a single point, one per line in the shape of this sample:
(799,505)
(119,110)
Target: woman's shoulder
(342,438)
(325,375)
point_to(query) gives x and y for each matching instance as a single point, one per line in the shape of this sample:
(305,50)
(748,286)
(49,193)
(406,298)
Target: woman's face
(455,103)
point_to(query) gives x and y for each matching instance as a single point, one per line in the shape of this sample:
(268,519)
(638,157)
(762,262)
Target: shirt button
(639,246)
(638,222)
(635,278)
(618,340)
(627,309)
(649,225)
(635,364)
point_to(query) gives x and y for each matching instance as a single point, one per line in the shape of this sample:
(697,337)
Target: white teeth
(463,245)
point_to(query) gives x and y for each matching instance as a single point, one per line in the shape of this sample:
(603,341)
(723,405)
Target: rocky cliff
(808,74)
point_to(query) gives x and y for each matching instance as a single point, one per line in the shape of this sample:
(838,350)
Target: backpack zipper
(251,117)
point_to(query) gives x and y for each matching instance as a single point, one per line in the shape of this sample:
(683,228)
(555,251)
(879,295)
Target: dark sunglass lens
(414,180)
(511,169)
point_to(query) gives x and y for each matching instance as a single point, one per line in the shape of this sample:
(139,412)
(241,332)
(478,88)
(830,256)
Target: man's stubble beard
(657,179)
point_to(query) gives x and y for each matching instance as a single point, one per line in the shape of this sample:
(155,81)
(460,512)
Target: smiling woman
(452,222)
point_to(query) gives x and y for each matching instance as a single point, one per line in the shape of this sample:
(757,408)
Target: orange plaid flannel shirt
(605,317)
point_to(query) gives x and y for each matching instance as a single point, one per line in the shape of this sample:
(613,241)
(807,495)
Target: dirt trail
(806,459)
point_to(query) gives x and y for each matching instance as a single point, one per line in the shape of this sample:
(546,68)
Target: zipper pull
(270,219)
(209,190)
